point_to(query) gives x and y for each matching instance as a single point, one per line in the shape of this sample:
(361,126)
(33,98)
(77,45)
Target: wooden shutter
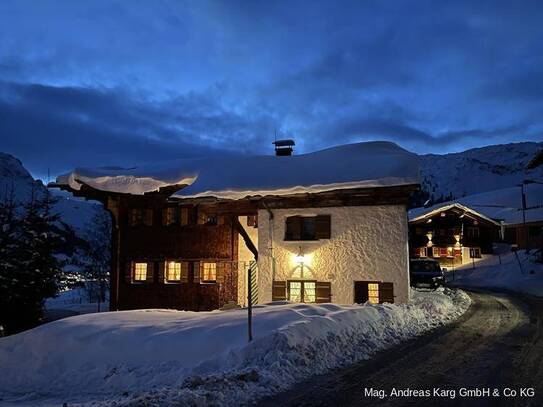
(133,217)
(185,271)
(360,292)
(161,271)
(221,272)
(196,271)
(148,217)
(279,291)
(293,230)
(323,291)
(128,272)
(184,216)
(322,227)
(150,277)
(386,293)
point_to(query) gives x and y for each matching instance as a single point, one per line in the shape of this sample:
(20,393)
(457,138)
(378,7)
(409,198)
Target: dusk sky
(92,83)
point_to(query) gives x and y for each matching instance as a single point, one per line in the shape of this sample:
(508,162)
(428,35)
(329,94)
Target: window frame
(167,278)
(296,228)
(203,272)
(135,272)
(302,290)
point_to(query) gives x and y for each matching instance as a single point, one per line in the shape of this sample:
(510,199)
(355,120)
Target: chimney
(283,147)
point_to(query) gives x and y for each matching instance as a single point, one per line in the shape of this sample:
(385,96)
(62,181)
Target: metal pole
(250,305)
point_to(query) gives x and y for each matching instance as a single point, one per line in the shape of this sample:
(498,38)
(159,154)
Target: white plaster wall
(368,243)
(245,256)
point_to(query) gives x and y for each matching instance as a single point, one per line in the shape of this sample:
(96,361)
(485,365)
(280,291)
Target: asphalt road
(496,344)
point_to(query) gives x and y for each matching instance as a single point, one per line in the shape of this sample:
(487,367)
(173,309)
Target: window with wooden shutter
(386,293)
(374,292)
(307,227)
(323,292)
(279,290)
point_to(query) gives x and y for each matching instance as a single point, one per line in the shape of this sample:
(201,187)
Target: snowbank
(524,278)
(203,358)
(350,166)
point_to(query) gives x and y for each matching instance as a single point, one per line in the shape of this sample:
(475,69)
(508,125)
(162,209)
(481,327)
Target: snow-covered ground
(526,277)
(76,300)
(165,357)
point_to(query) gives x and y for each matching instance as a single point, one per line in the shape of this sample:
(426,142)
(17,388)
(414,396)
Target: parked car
(426,273)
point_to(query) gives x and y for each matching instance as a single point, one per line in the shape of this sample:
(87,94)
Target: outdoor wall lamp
(300,258)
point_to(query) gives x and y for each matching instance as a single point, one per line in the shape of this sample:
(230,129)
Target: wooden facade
(452,235)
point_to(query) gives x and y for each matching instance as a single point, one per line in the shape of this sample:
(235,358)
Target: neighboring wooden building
(454,234)
(340,242)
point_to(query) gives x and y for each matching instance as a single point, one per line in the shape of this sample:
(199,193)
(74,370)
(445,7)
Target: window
(170,216)
(184,216)
(173,271)
(475,253)
(423,252)
(373,293)
(302,291)
(473,231)
(209,271)
(140,216)
(140,271)
(307,227)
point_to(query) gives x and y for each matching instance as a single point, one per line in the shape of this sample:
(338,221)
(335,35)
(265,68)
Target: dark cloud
(115,82)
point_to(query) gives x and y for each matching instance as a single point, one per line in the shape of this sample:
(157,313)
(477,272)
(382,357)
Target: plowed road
(496,344)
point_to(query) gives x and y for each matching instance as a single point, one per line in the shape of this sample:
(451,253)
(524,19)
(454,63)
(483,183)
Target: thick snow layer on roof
(350,166)
(168,357)
(502,205)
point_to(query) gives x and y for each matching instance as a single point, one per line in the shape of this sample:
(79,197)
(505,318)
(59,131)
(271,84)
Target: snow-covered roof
(444,208)
(501,205)
(370,164)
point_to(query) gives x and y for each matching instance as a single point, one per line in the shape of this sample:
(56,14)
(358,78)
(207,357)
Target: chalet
(452,233)
(329,226)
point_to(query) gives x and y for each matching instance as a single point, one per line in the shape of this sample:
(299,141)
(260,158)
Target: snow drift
(203,358)
(350,166)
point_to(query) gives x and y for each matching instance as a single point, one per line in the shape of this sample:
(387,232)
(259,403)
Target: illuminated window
(423,252)
(301,291)
(373,293)
(209,271)
(140,271)
(173,271)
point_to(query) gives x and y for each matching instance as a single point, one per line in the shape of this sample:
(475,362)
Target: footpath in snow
(522,274)
(166,357)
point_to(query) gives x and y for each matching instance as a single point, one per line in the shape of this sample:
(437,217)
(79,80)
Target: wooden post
(250,304)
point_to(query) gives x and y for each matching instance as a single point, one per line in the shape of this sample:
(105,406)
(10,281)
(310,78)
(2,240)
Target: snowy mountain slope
(75,212)
(451,176)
